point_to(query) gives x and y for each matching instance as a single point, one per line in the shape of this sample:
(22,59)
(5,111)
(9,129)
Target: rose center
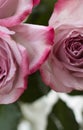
(74,46)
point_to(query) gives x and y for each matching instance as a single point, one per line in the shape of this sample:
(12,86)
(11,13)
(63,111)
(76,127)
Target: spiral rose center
(74,46)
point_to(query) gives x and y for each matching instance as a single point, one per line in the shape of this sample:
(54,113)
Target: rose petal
(6,31)
(11,97)
(7,8)
(14,12)
(59,78)
(51,80)
(37,40)
(67,12)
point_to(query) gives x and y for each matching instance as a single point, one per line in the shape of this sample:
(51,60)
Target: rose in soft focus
(23,47)
(63,71)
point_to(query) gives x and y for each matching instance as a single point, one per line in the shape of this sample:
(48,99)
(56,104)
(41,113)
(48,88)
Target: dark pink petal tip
(36,2)
(41,60)
(45,54)
(60,4)
(21,14)
(51,35)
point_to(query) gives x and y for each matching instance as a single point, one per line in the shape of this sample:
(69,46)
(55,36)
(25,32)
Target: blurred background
(40,108)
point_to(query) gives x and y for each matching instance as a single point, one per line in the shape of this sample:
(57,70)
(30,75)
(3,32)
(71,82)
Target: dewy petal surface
(38,41)
(13,12)
(67,12)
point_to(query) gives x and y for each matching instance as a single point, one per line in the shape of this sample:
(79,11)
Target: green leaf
(36,88)
(62,118)
(9,116)
(75,93)
(42,12)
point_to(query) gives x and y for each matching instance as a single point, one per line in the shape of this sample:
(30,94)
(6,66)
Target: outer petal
(11,97)
(51,79)
(37,40)
(15,11)
(67,12)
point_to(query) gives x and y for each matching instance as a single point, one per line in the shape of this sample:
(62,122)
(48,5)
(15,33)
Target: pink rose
(63,71)
(23,48)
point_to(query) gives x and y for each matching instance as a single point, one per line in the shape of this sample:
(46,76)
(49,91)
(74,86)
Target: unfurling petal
(13,12)
(51,79)
(68,12)
(38,41)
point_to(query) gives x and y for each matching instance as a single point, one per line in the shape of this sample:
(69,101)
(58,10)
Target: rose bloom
(23,47)
(63,71)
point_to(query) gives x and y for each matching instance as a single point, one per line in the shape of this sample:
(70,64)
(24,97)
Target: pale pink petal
(55,75)
(11,97)
(52,80)
(13,12)
(67,12)
(6,30)
(37,40)
(8,8)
